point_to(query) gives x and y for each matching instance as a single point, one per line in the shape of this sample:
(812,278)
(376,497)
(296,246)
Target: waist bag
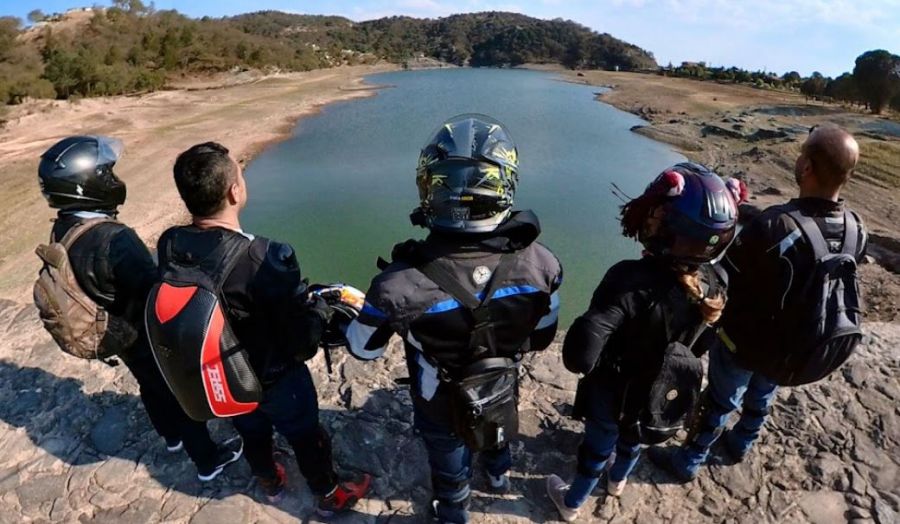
(202,361)
(484,395)
(79,325)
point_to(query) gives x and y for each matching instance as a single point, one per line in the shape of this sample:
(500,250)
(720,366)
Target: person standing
(269,316)
(468,301)
(635,345)
(793,313)
(115,271)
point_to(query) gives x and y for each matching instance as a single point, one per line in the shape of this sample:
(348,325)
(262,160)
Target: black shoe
(664,460)
(228,453)
(734,454)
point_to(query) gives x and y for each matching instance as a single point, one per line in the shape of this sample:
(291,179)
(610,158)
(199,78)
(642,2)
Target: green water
(341,189)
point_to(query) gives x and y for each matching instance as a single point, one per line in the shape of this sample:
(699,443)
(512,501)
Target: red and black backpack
(201,360)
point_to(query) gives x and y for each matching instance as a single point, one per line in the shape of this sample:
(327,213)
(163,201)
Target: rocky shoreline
(77,447)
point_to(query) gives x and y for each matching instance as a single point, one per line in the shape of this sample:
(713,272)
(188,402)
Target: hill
(131,48)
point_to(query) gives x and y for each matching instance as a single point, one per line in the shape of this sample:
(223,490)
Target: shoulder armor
(280,256)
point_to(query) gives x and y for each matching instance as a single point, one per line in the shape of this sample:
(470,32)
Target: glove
(345,304)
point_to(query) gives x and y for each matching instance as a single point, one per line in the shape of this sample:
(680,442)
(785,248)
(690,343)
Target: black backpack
(202,361)
(658,399)
(818,327)
(485,394)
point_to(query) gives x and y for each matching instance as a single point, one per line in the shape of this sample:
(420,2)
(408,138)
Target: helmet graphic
(688,213)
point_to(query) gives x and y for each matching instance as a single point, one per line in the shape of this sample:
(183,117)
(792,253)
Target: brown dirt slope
(155,128)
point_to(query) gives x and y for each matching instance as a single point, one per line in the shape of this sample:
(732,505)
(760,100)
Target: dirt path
(155,128)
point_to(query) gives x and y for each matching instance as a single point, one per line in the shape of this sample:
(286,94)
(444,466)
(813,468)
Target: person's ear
(234,194)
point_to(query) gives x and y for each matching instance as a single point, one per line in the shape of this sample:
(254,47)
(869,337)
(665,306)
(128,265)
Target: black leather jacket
(112,265)
(624,332)
(264,296)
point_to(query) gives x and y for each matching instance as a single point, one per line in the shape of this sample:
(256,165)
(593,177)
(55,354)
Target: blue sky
(776,35)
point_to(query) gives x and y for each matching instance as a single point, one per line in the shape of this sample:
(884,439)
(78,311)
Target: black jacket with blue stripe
(435,328)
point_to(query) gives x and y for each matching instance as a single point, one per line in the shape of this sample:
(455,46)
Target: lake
(341,189)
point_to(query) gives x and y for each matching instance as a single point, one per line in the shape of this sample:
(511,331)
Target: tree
(877,75)
(814,86)
(36,16)
(9,30)
(843,88)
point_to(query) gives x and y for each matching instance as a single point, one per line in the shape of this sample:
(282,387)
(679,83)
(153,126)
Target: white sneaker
(229,452)
(174,447)
(615,489)
(556,490)
(499,484)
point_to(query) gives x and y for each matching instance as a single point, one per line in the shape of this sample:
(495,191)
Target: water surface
(341,189)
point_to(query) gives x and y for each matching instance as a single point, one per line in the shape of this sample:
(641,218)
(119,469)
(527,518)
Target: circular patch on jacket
(481,275)
(671,395)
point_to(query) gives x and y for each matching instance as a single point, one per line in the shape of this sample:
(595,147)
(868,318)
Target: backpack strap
(481,340)
(851,234)
(79,229)
(812,233)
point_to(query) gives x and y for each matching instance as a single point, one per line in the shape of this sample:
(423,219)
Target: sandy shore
(155,128)
(756,134)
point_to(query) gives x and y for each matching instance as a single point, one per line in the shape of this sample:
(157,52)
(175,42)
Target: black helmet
(77,174)
(467,175)
(695,214)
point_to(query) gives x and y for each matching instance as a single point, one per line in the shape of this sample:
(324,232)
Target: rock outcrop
(76,446)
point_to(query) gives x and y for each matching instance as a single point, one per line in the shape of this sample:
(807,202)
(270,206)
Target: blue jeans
(451,466)
(730,387)
(601,438)
(290,405)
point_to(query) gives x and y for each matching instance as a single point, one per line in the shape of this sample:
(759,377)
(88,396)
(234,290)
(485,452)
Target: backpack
(818,327)
(80,326)
(198,354)
(485,394)
(660,399)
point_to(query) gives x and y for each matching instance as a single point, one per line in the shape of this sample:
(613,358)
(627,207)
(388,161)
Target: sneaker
(501,484)
(664,459)
(228,453)
(556,490)
(174,445)
(274,487)
(344,496)
(615,489)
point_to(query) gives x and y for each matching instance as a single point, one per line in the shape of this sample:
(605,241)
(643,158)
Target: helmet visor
(109,150)
(465,177)
(695,243)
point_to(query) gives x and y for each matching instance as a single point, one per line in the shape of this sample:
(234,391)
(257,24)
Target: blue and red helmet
(688,213)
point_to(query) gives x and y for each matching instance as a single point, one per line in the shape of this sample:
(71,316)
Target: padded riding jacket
(435,327)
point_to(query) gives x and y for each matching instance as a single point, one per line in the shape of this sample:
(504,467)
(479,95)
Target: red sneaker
(274,487)
(344,496)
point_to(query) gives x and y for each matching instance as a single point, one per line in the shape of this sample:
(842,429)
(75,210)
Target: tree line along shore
(131,47)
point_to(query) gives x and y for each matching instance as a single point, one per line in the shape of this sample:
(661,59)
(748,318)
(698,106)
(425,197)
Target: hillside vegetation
(131,48)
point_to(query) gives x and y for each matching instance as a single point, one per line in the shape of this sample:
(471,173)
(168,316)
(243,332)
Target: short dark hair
(203,175)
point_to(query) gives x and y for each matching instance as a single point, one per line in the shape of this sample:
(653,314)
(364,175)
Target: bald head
(832,154)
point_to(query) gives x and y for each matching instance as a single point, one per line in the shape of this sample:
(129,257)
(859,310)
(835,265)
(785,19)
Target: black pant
(292,407)
(166,415)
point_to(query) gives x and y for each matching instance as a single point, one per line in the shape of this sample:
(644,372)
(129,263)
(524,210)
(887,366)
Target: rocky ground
(76,446)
